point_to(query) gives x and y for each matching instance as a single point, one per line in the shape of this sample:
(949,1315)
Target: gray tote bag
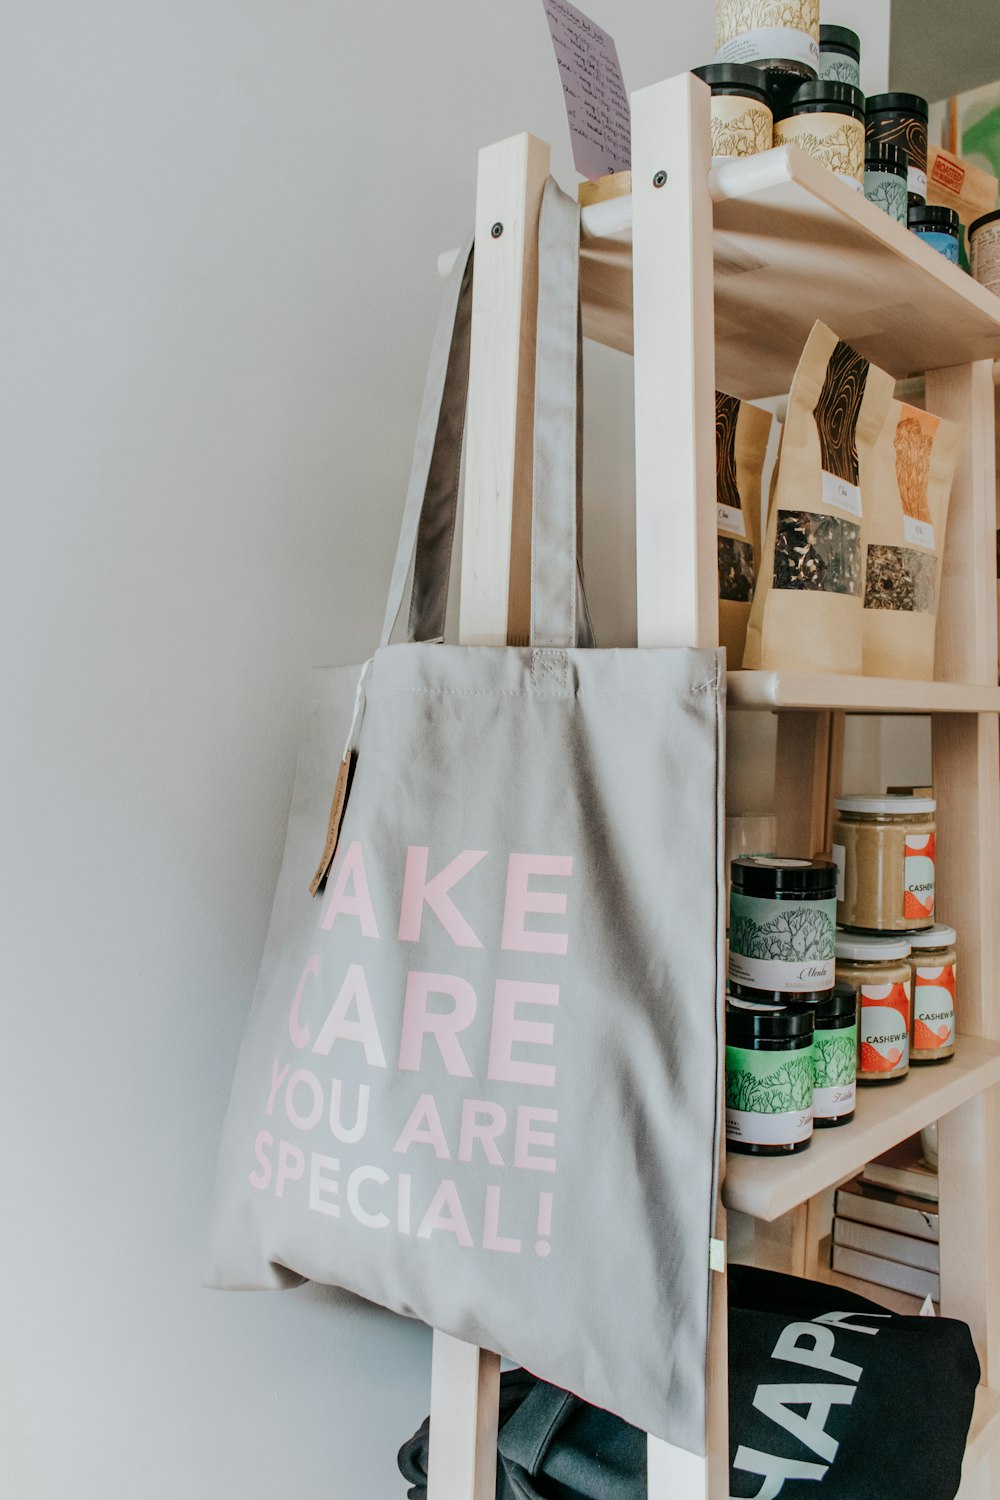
(479,1082)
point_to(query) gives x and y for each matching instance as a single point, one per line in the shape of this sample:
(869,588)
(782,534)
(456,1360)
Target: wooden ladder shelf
(685,273)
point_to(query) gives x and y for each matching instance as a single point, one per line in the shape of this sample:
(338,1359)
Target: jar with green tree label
(835,1056)
(769,1078)
(879,969)
(782,919)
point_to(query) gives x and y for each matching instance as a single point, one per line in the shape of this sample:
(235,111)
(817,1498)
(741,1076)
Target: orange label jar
(934,964)
(885,849)
(879,969)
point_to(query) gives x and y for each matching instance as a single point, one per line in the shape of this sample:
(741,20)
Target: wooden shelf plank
(877,695)
(767,1187)
(792,244)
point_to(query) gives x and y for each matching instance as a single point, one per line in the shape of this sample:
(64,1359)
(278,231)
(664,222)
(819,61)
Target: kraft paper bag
(479,1083)
(807,608)
(907,515)
(742,432)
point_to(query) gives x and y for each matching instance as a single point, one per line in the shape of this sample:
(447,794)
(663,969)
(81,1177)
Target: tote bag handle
(430,511)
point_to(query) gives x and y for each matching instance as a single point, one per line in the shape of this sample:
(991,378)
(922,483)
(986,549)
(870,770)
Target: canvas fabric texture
(479,1082)
(822,1385)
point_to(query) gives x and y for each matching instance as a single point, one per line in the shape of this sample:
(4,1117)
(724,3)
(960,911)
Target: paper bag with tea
(906,515)
(741,437)
(807,608)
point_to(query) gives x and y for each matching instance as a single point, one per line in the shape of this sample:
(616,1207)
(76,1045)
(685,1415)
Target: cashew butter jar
(782,920)
(934,963)
(885,850)
(879,969)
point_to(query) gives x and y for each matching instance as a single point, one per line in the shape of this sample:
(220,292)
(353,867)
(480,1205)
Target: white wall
(221,219)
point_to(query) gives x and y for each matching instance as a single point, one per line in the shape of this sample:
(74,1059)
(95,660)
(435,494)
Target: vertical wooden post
(496,545)
(966,756)
(676,563)
(495,606)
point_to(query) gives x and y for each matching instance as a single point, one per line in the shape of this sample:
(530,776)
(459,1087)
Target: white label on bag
(732,520)
(918,533)
(841,494)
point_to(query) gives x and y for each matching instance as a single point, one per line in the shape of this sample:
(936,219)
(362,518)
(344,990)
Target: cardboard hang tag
(338,807)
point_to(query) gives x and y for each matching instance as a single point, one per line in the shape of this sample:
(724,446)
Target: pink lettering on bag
(424,1128)
(520,900)
(339,1026)
(418,891)
(354,903)
(445,1213)
(419,1022)
(323,1187)
(300,1034)
(261,1177)
(492,1238)
(508,1029)
(291,1166)
(350,1135)
(485,1131)
(525,1136)
(357,1177)
(277,1079)
(302,1077)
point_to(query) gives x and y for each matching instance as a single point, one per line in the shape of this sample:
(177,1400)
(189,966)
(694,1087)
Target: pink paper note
(593,91)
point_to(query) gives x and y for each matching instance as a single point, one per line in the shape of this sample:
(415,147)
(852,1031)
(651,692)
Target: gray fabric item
(585,787)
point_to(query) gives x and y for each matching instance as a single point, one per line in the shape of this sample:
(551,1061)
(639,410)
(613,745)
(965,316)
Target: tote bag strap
(429,514)
(428,525)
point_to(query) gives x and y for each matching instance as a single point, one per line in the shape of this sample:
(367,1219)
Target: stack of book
(885,1226)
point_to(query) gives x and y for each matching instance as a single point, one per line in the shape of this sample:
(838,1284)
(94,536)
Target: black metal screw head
(659,179)
(497,230)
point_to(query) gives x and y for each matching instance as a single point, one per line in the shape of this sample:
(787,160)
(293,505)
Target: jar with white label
(885,850)
(835,1057)
(879,969)
(934,966)
(779,36)
(827,122)
(984,250)
(769,1078)
(782,920)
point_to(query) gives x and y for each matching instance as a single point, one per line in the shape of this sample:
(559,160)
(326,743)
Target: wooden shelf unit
(714,277)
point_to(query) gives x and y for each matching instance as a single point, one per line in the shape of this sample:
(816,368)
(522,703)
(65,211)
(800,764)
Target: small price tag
(716,1255)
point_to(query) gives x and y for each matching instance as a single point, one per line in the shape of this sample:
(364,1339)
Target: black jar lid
(768,875)
(885,156)
(828,94)
(840,36)
(932,216)
(747,1023)
(989,218)
(901,104)
(842,1001)
(734,78)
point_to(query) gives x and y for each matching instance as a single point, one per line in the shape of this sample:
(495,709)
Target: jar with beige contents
(879,969)
(934,962)
(885,851)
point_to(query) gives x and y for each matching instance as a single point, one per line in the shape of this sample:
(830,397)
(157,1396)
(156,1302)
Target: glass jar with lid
(769,1078)
(885,849)
(827,121)
(835,1057)
(934,966)
(879,969)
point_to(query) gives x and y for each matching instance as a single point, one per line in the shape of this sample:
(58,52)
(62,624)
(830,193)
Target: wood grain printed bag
(742,432)
(907,512)
(808,604)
